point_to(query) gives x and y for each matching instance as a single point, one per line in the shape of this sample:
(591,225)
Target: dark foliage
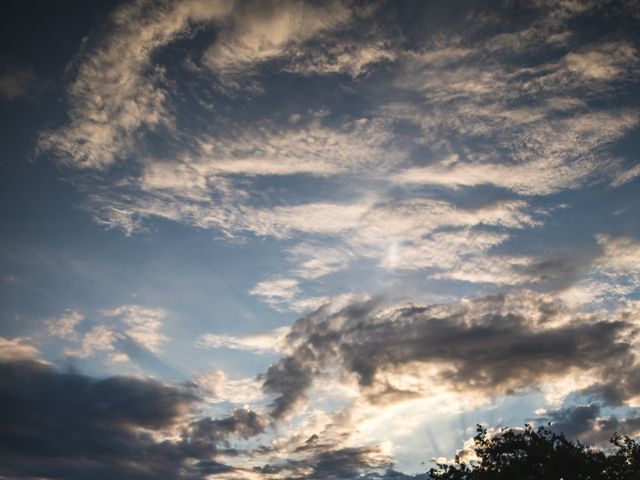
(542,454)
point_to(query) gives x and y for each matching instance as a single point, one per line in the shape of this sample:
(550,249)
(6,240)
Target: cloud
(461,111)
(207,432)
(119,95)
(356,50)
(51,419)
(263,31)
(17,349)
(133,327)
(284,295)
(347,58)
(209,189)
(371,228)
(99,338)
(348,462)
(410,220)
(267,342)
(277,291)
(559,155)
(534,128)
(488,346)
(68,425)
(612,275)
(308,147)
(142,324)
(413,234)
(626,176)
(64,326)
(216,387)
(621,256)
(315,261)
(603,61)
(118,91)
(585,423)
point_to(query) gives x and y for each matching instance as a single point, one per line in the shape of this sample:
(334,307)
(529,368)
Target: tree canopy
(541,454)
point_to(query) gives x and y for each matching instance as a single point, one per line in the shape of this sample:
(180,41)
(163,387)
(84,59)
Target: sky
(313,239)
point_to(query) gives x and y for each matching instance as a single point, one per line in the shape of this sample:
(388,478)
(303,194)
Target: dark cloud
(557,272)
(289,378)
(584,423)
(493,345)
(621,382)
(202,434)
(575,421)
(340,463)
(64,425)
(347,462)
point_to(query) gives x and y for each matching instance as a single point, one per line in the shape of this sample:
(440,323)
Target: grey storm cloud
(205,432)
(494,345)
(585,423)
(70,426)
(622,382)
(340,463)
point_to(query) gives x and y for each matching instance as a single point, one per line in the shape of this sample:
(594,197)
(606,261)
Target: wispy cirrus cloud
(274,30)
(118,91)
(267,342)
(483,119)
(110,112)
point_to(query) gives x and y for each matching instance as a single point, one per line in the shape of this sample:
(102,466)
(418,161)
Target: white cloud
(309,147)
(17,349)
(619,265)
(613,275)
(219,388)
(99,338)
(276,292)
(441,250)
(273,30)
(531,130)
(349,56)
(64,326)
(404,235)
(271,341)
(496,269)
(626,176)
(559,154)
(314,218)
(118,90)
(142,324)
(401,235)
(413,219)
(472,104)
(136,322)
(315,261)
(604,61)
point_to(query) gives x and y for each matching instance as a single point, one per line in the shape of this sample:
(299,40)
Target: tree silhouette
(541,454)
